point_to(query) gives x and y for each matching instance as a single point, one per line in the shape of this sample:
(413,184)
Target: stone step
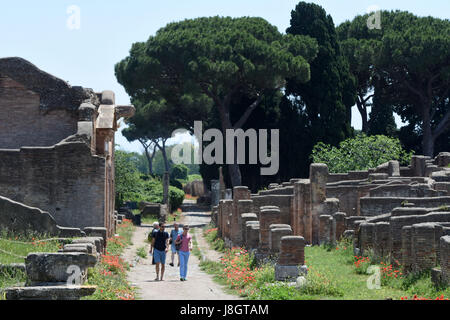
(49,292)
(58,267)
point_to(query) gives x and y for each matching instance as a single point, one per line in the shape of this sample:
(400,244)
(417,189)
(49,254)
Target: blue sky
(38,32)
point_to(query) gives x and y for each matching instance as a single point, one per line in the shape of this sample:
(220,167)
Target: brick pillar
(423,245)
(215,192)
(418,164)
(339,217)
(318,176)
(241,193)
(366,231)
(292,255)
(242,206)
(445,258)
(381,239)
(277,231)
(394,168)
(407,258)
(324,229)
(227,210)
(299,207)
(246,217)
(252,234)
(267,216)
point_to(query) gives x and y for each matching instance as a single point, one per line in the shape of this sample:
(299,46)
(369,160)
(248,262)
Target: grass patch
(14,247)
(110,275)
(215,242)
(141,252)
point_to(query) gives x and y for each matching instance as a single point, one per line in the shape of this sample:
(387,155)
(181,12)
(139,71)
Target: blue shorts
(159,256)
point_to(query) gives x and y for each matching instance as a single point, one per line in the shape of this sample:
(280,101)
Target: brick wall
(64,180)
(25,124)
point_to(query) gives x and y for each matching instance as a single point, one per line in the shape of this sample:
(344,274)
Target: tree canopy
(197,63)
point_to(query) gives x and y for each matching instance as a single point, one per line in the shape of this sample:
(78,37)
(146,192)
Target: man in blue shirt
(160,245)
(173,236)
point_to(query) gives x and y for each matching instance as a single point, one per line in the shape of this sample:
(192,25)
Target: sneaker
(181,279)
(171,264)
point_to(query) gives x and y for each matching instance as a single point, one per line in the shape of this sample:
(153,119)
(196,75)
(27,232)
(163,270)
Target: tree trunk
(233,169)
(427,140)
(150,161)
(363,111)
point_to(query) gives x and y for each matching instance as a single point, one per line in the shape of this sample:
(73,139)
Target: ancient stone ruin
(56,152)
(400,213)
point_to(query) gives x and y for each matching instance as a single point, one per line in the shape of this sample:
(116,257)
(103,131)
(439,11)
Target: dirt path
(200,286)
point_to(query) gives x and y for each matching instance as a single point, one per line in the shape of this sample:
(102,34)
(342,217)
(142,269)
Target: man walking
(160,245)
(173,237)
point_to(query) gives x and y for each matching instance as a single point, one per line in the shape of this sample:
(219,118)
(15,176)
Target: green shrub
(176,183)
(360,153)
(179,171)
(176,197)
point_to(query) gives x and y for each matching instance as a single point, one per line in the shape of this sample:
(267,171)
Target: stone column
(243,206)
(277,231)
(239,193)
(418,165)
(366,231)
(394,168)
(445,259)
(324,229)
(407,248)
(292,255)
(267,216)
(423,245)
(227,210)
(381,239)
(220,220)
(222,184)
(339,217)
(318,175)
(252,234)
(215,192)
(246,217)
(299,206)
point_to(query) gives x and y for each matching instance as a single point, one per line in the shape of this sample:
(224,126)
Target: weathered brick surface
(267,217)
(423,246)
(367,235)
(239,207)
(252,235)
(444,244)
(292,251)
(381,239)
(339,218)
(64,180)
(407,255)
(246,217)
(277,231)
(324,229)
(24,123)
(318,175)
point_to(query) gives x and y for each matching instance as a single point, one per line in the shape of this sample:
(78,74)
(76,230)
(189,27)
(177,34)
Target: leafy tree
(179,171)
(207,61)
(360,153)
(328,97)
(412,57)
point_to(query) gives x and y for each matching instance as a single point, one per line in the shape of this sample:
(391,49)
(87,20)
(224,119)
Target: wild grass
(15,247)
(110,275)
